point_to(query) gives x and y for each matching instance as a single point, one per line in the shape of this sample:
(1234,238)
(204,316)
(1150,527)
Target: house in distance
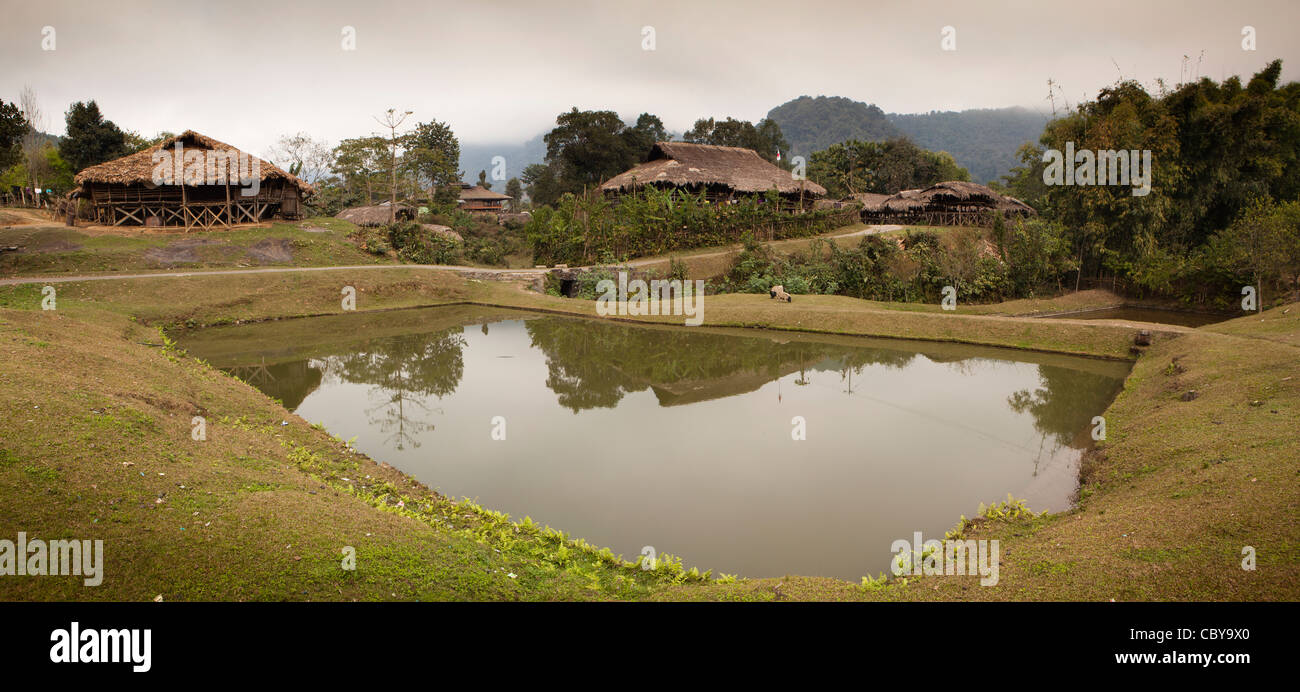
(477,199)
(722,173)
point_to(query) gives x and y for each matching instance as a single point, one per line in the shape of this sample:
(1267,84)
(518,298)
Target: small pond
(681,438)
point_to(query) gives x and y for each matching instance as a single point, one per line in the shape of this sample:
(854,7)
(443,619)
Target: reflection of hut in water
(289,382)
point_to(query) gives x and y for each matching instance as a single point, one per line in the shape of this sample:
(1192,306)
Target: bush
(418,245)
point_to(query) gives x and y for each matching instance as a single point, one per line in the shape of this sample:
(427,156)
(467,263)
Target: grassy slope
(58,249)
(1175,476)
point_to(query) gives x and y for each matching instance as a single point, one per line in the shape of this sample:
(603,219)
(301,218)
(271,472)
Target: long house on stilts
(722,173)
(193,181)
(952,203)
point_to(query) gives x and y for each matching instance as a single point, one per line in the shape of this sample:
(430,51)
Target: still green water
(681,438)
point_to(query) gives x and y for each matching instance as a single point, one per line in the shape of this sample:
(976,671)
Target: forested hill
(984,141)
(812,124)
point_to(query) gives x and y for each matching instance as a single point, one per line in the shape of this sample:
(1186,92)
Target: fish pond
(684,439)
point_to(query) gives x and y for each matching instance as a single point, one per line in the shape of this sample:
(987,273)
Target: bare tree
(392,120)
(303,156)
(33,141)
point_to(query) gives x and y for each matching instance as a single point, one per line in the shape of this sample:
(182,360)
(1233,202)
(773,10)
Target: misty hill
(478,157)
(984,141)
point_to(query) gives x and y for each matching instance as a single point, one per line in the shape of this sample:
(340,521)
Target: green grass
(96,443)
(62,250)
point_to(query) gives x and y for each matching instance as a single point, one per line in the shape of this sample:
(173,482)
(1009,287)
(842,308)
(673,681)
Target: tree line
(1222,210)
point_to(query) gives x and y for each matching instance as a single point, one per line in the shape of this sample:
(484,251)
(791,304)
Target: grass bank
(97,443)
(57,249)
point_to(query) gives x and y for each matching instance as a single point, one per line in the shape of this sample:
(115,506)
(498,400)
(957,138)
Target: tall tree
(392,120)
(34,139)
(91,139)
(540,184)
(764,138)
(12,127)
(433,156)
(361,163)
(587,148)
(515,191)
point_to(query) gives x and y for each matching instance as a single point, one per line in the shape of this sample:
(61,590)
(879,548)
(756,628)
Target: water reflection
(680,438)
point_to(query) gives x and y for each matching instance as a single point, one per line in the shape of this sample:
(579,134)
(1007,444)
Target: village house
(722,173)
(952,203)
(190,180)
(477,199)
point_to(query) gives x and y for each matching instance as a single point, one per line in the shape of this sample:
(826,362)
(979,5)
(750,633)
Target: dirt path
(869,230)
(474,272)
(27,218)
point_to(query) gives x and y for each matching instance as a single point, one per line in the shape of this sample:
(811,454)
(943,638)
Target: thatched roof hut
(904,201)
(192,180)
(868,200)
(720,171)
(951,203)
(377,215)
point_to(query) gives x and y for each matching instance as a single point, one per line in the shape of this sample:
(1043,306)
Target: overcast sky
(500,70)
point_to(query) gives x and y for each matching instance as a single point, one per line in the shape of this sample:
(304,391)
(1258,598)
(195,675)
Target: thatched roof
(904,201)
(138,168)
(869,200)
(961,193)
(478,193)
(1011,204)
(948,195)
(377,215)
(682,164)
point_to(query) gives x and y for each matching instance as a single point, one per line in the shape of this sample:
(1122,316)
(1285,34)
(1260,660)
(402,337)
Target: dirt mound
(178,252)
(271,251)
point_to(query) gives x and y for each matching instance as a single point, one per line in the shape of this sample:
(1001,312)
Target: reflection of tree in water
(405,370)
(1065,402)
(594,364)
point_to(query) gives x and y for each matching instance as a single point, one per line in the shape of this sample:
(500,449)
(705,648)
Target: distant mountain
(478,157)
(984,141)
